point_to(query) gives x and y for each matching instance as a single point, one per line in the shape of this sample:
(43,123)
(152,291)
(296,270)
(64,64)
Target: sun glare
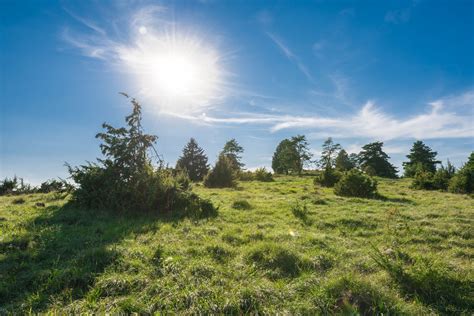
(180,73)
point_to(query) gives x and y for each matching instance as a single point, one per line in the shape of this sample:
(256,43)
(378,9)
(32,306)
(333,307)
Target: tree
(355,183)
(421,157)
(285,157)
(222,175)
(193,161)
(126,180)
(291,155)
(373,157)
(233,150)
(343,162)
(329,154)
(302,149)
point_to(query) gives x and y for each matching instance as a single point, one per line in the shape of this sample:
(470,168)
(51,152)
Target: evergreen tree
(222,175)
(421,157)
(193,161)
(233,151)
(343,161)
(372,157)
(463,180)
(329,154)
(354,158)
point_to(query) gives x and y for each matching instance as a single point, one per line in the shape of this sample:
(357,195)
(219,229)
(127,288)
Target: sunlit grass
(407,252)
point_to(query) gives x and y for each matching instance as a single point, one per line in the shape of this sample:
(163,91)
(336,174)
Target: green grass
(276,247)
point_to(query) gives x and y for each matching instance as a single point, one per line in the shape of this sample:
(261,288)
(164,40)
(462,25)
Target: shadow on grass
(60,255)
(434,284)
(394,199)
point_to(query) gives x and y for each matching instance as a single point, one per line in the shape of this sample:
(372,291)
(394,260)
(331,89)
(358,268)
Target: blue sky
(257,71)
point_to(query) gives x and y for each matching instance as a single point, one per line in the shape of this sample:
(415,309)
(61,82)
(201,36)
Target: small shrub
(355,183)
(222,175)
(261,174)
(441,179)
(327,178)
(241,205)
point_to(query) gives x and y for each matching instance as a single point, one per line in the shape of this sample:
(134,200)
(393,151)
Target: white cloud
(369,122)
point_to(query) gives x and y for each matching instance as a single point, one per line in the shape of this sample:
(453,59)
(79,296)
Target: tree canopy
(291,155)
(329,154)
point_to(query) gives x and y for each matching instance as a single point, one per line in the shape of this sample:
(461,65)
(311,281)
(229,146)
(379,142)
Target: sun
(180,73)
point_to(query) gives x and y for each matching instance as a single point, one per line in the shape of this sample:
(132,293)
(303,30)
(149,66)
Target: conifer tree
(372,157)
(421,158)
(329,154)
(233,151)
(193,161)
(343,162)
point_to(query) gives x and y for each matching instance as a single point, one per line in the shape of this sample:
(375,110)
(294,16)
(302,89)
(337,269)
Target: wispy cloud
(291,56)
(369,122)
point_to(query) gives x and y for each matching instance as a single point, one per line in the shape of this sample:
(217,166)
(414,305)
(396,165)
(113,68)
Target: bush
(356,183)
(463,180)
(54,185)
(327,178)
(246,176)
(222,175)
(423,180)
(127,181)
(261,174)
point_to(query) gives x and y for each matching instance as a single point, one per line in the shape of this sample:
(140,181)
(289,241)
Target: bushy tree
(54,185)
(222,175)
(329,154)
(233,151)
(126,179)
(291,155)
(463,180)
(343,162)
(374,157)
(285,158)
(8,186)
(357,184)
(420,157)
(193,161)
(438,180)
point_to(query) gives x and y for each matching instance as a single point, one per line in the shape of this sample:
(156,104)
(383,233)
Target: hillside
(410,252)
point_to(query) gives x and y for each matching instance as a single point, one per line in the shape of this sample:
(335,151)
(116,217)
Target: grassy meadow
(276,247)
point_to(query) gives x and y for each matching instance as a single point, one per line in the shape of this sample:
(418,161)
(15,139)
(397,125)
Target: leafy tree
(421,156)
(329,154)
(372,156)
(302,149)
(223,174)
(328,177)
(8,185)
(233,151)
(291,155)
(463,180)
(343,162)
(285,158)
(193,161)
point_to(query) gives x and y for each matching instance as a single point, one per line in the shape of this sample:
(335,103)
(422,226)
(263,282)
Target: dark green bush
(54,185)
(463,180)
(127,181)
(222,175)
(356,183)
(246,176)
(328,177)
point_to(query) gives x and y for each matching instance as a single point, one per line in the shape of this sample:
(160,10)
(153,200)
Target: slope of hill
(282,246)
